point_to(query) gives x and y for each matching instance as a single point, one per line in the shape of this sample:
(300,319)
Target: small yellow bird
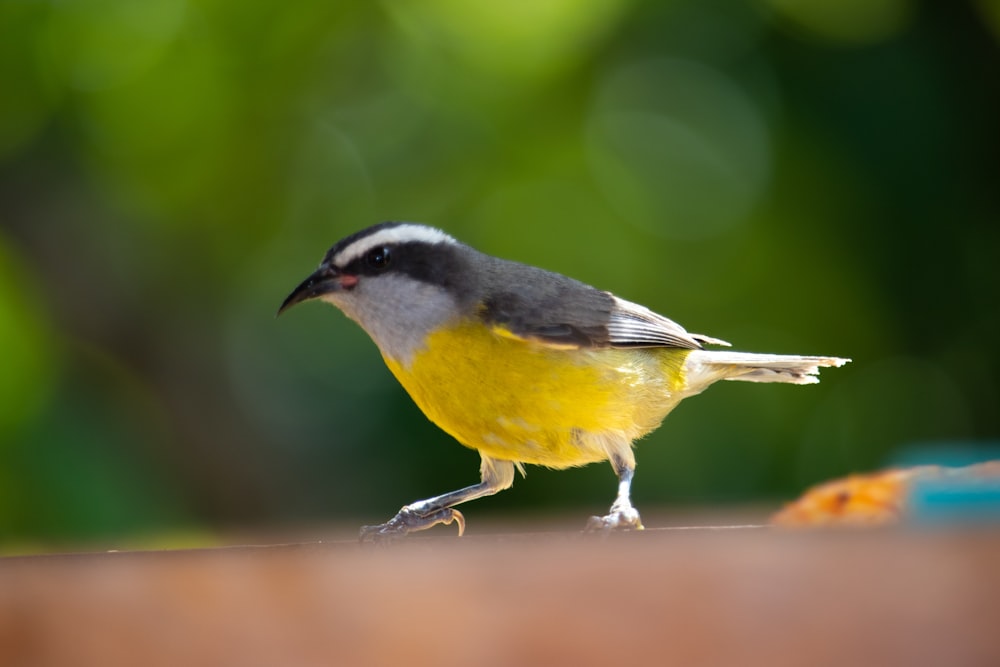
(522,364)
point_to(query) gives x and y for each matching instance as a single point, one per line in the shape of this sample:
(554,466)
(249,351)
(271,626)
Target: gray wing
(560,312)
(561,315)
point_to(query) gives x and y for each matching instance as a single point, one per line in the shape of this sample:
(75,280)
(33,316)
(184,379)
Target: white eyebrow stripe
(399,234)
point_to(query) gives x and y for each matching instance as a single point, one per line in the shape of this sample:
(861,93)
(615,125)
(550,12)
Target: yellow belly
(522,401)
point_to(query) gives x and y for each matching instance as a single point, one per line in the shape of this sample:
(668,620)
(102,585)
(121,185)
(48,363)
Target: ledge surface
(752,596)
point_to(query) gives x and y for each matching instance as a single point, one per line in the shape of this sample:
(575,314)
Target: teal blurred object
(965,490)
(955,499)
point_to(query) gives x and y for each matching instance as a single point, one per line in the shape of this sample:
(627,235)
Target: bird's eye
(378,258)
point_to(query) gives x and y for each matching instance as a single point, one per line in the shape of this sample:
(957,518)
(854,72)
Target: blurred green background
(801,176)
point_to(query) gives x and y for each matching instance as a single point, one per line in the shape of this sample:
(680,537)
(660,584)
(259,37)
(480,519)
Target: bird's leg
(622,515)
(423,514)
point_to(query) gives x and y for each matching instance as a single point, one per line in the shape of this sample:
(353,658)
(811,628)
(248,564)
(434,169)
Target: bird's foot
(410,521)
(621,517)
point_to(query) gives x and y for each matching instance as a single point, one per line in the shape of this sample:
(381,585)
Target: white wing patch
(405,233)
(633,325)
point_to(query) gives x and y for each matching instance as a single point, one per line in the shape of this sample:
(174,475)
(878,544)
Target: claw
(408,521)
(626,518)
(458,518)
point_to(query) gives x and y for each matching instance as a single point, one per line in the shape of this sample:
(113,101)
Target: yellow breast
(524,401)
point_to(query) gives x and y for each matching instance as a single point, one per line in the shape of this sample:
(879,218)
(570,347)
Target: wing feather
(632,325)
(563,313)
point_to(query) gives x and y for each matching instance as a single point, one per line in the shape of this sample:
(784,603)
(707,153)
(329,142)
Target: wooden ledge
(751,596)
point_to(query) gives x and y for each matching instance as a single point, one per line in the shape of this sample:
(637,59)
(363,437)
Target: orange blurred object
(873,499)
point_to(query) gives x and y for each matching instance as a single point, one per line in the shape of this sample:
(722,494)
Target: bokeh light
(678,149)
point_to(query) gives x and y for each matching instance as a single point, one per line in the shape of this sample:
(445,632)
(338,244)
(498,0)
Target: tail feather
(707,366)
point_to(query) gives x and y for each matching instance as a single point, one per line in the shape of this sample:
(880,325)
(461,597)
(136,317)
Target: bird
(524,365)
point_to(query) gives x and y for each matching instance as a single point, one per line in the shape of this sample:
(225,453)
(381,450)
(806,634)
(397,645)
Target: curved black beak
(324,280)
